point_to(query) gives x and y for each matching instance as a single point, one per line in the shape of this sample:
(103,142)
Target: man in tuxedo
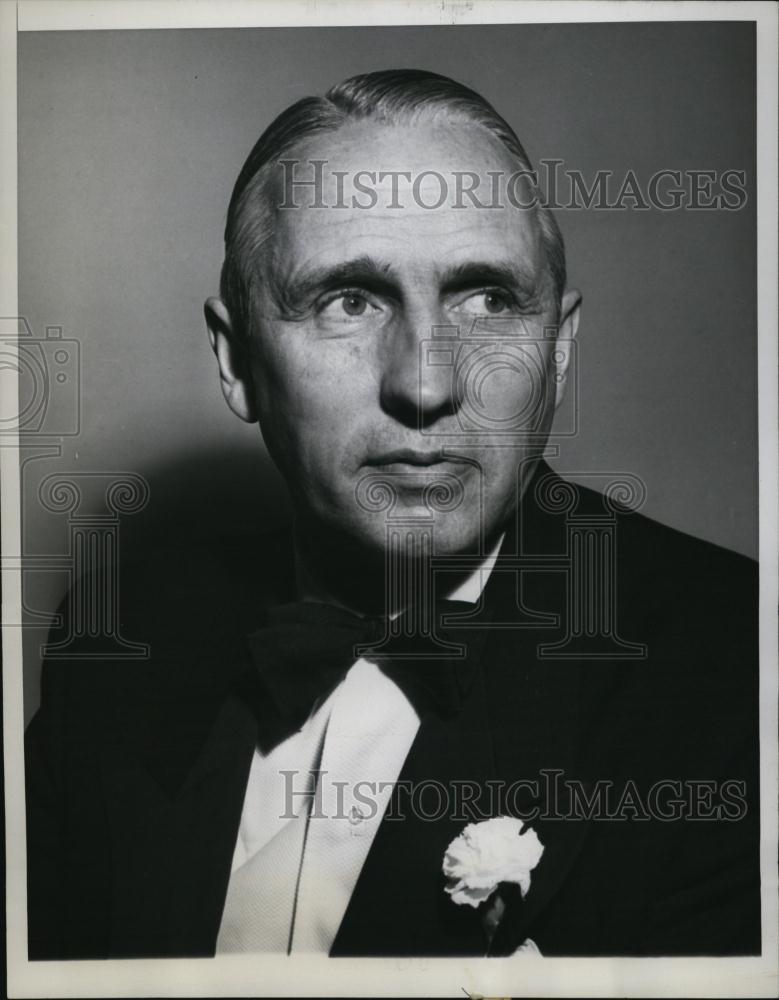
(454,633)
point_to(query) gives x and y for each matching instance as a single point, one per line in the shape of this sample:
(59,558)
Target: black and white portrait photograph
(389,499)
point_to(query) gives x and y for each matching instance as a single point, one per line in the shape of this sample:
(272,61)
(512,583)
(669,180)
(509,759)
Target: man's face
(401,358)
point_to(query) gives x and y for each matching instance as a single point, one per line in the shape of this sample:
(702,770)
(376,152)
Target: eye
(348,305)
(491,302)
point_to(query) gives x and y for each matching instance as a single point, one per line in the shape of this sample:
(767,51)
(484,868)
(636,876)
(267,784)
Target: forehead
(401,193)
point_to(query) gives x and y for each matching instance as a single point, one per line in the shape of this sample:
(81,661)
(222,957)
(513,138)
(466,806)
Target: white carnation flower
(488,853)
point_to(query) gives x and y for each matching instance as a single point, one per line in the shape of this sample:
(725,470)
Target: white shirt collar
(470,590)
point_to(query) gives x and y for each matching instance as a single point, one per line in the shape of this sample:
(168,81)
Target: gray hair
(389,96)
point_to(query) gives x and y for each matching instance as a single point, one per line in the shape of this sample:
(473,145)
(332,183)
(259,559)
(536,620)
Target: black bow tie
(306,648)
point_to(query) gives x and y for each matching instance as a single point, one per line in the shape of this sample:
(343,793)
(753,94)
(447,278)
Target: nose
(418,385)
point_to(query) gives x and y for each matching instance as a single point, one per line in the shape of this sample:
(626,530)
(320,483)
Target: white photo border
(317,976)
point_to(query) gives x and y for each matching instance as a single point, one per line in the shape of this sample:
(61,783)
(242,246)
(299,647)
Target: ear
(570,309)
(232,356)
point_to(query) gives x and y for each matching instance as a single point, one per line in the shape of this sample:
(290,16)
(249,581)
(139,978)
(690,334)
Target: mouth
(409,458)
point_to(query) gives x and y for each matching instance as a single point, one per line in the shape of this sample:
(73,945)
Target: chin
(414,532)
(459,538)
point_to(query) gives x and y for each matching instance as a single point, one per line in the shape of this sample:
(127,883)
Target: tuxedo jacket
(136,770)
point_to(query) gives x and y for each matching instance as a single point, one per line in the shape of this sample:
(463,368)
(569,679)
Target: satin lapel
(536,708)
(173,848)
(399,906)
(536,733)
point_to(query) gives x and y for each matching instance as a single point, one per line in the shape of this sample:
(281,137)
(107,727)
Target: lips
(410,457)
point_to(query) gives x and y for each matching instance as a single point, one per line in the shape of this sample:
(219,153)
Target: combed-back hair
(389,97)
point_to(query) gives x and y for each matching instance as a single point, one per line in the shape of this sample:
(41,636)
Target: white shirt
(312,807)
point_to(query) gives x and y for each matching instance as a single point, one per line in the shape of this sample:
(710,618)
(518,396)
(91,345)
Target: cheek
(310,396)
(324,383)
(508,389)
(527,372)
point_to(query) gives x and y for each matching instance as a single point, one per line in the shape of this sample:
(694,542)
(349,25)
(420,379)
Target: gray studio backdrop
(129,144)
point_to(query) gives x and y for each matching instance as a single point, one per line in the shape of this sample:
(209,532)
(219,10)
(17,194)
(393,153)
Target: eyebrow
(510,275)
(363,271)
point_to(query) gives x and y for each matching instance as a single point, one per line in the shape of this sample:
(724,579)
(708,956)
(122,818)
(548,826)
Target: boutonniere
(495,853)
